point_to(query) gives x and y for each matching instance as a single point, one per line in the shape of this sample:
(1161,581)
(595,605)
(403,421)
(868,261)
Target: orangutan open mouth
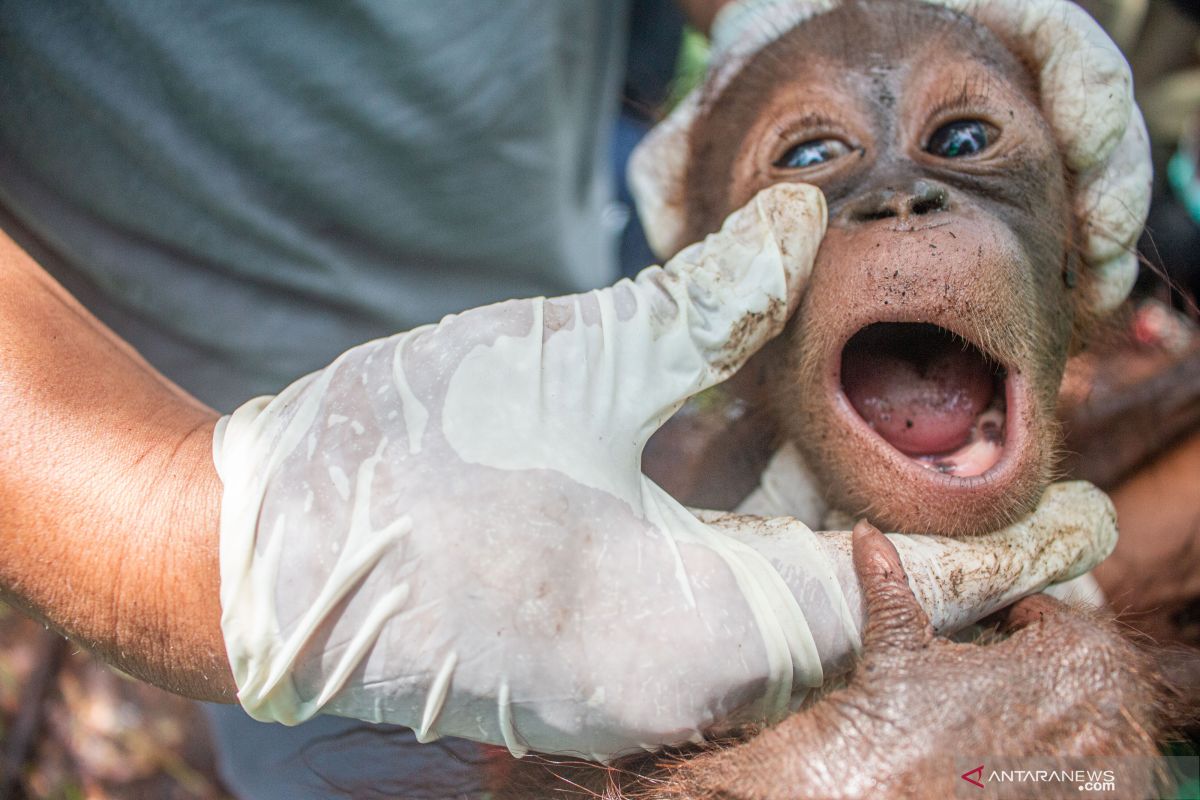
(930,394)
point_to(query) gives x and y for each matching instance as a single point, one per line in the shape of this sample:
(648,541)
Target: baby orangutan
(919,377)
(917,384)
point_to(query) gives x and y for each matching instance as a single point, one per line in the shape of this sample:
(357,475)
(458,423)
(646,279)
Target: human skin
(109,500)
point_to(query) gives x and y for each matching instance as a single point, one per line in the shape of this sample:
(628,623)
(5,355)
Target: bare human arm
(109,500)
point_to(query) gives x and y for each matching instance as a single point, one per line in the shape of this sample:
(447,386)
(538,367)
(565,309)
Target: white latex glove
(957,581)
(788,488)
(449,529)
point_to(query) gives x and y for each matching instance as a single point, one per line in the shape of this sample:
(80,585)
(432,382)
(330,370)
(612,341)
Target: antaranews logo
(978,773)
(1101,776)
(1085,780)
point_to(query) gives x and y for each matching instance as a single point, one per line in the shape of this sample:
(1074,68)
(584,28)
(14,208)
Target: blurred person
(243,191)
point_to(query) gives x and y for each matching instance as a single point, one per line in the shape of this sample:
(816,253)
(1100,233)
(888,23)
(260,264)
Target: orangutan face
(919,375)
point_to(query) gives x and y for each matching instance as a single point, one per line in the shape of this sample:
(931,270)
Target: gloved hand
(449,528)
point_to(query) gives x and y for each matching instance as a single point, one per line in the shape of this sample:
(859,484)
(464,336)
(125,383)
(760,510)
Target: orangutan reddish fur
(989,263)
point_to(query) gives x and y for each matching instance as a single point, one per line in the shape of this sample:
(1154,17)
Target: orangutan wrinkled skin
(948,207)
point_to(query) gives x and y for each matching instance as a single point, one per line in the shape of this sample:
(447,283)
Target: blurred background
(71,727)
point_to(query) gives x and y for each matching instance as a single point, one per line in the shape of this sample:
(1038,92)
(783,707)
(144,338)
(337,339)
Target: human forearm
(108,498)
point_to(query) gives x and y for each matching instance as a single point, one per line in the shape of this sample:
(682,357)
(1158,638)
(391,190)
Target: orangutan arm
(109,500)
(1154,573)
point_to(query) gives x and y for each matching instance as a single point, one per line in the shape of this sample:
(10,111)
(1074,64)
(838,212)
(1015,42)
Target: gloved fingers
(822,582)
(700,317)
(959,581)
(577,384)
(956,581)
(753,270)
(895,619)
(603,370)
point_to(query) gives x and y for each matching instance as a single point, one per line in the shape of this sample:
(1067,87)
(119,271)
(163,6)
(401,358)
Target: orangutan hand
(920,710)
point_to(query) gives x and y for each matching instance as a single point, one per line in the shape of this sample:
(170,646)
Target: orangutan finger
(894,617)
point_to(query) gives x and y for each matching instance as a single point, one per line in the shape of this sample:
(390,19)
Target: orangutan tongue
(918,386)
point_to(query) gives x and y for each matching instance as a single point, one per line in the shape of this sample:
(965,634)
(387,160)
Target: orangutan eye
(963,138)
(811,153)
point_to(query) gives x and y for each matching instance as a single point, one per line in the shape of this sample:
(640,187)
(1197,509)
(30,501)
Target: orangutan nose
(919,199)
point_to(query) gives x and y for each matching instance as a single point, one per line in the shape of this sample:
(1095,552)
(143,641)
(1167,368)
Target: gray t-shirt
(245,189)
